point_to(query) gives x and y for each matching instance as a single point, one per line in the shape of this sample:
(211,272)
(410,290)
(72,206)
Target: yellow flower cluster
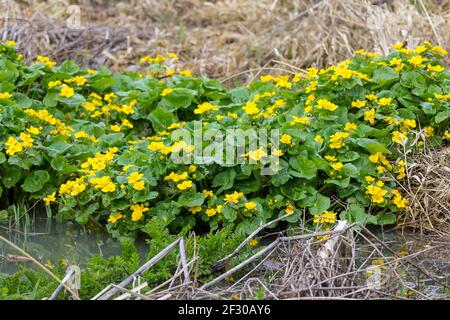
(281,81)
(97,107)
(73,187)
(77,80)
(211,212)
(103,183)
(257,154)
(376,191)
(271,111)
(186,184)
(50,198)
(401,169)
(300,120)
(337,140)
(204,107)
(251,108)
(369,115)
(14,145)
(337,166)
(398,137)
(98,162)
(358,104)
(45,60)
(157,59)
(67,91)
(138,211)
(45,116)
(84,135)
(379,157)
(398,200)
(250,206)
(166,91)
(350,126)
(234,197)
(326,104)
(135,180)
(326,217)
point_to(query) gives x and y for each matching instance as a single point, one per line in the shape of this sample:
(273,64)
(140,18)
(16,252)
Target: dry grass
(427,185)
(358,265)
(224,38)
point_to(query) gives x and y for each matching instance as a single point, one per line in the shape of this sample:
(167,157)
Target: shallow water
(49,241)
(428,274)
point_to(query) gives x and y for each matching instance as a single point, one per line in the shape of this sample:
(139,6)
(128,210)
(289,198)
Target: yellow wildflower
(286,139)
(67,92)
(115,216)
(250,205)
(50,198)
(187,184)
(138,211)
(166,91)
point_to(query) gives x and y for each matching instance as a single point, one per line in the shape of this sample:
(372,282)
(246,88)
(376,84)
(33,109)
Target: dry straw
(223,38)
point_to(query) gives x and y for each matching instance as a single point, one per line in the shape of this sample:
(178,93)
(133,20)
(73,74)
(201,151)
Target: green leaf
(2,158)
(386,218)
(102,83)
(3,214)
(191,199)
(74,101)
(68,67)
(357,214)
(143,196)
(224,180)
(161,119)
(428,108)
(82,216)
(175,100)
(412,79)
(348,156)
(372,146)
(442,116)
(22,100)
(11,176)
(384,75)
(294,190)
(321,204)
(35,181)
(248,185)
(58,147)
(239,95)
(62,165)
(229,213)
(304,167)
(349,170)
(113,139)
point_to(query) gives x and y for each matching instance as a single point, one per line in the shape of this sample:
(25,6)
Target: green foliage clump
(98,146)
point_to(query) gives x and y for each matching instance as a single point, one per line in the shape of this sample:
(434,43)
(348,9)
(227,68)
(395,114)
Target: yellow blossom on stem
(233,197)
(369,116)
(318,138)
(115,216)
(166,91)
(138,211)
(286,139)
(50,198)
(187,184)
(250,205)
(359,104)
(67,92)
